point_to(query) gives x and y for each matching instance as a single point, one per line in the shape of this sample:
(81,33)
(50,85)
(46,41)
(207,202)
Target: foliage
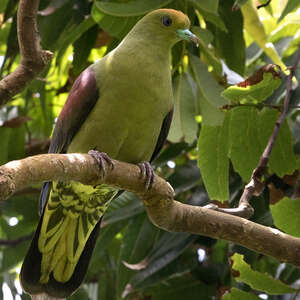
(223,128)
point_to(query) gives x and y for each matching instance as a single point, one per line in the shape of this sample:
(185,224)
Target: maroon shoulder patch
(82,98)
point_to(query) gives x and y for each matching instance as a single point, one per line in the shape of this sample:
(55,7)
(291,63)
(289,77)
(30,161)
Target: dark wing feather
(163,134)
(81,100)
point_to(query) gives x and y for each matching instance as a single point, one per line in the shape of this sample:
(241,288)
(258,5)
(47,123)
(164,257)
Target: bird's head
(167,26)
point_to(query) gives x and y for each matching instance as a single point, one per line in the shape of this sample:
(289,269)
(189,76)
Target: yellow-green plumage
(121,105)
(72,211)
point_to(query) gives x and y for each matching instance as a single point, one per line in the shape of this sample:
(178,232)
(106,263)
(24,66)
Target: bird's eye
(167,21)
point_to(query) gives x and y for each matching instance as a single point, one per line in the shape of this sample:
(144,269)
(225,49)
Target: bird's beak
(187,35)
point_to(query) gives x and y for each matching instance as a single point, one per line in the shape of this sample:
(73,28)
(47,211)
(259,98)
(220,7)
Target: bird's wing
(163,134)
(82,98)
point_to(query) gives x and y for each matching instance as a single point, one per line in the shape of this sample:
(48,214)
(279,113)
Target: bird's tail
(60,251)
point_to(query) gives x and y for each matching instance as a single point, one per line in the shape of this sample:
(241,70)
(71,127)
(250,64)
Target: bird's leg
(103,160)
(147,174)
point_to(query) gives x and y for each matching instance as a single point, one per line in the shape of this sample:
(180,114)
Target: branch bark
(33,58)
(162,209)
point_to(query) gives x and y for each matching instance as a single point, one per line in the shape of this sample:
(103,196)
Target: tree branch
(255,186)
(162,209)
(16,241)
(33,58)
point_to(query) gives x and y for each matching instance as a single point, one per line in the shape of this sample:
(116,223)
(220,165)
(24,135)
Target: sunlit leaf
(253,93)
(290,6)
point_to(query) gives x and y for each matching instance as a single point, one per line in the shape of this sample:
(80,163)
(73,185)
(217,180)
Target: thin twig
(264,5)
(259,105)
(255,186)
(16,241)
(33,58)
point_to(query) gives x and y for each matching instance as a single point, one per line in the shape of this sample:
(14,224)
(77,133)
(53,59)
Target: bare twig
(264,5)
(33,58)
(162,209)
(16,241)
(255,186)
(259,106)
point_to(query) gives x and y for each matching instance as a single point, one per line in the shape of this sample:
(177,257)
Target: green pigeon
(121,105)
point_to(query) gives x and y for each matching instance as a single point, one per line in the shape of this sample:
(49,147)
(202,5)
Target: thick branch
(33,58)
(162,209)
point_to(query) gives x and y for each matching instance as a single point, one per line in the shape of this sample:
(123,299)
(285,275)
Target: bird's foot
(147,173)
(103,161)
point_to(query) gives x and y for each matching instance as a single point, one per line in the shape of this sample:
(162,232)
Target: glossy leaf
(253,93)
(258,281)
(282,209)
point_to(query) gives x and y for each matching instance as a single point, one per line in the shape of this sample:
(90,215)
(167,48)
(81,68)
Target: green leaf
(73,36)
(165,251)
(137,242)
(255,28)
(293,46)
(258,281)
(234,55)
(282,159)
(130,8)
(183,287)
(214,19)
(286,215)
(203,34)
(253,93)
(290,6)
(184,125)
(237,294)
(124,207)
(209,91)
(239,3)
(213,161)
(185,177)
(205,38)
(208,6)
(244,147)
(5,136)
(288,28)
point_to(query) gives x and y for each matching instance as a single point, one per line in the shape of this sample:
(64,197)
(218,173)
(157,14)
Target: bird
(118,108)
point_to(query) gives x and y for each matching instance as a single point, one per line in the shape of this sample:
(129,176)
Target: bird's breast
(126,120)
